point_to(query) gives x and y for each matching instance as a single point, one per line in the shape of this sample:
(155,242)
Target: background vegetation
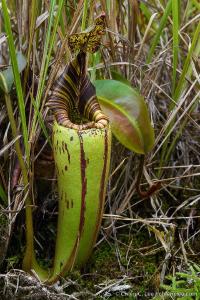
(154,46)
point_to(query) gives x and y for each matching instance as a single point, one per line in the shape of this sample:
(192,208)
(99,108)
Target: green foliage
(13,261)
(7,76)
(180,87)
(3,195)
(50,38)
(175,28)
(16,74)
(128,114)
(117,76)
(183,286)
(165,69)
(159,32)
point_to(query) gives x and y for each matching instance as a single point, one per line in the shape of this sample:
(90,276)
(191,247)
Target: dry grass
(166,225)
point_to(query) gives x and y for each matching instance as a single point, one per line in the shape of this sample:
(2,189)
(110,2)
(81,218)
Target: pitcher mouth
(93,119)
(89,125)
(101,124)
(73,98)
(80,117)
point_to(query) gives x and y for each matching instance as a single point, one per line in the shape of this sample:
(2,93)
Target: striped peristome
(73,97)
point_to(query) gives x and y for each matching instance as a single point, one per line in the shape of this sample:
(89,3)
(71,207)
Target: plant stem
(28,202)
(152,189)
(85,8)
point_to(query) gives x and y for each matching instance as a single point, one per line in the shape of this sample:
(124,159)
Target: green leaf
(117,76)
(3,195)
(128,114)
(7,76)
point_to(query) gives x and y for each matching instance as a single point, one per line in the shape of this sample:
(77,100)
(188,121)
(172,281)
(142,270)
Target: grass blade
(16,76)
(6,147)
(30,42)
(186,66)
(186,72)
(41,121)
(3,196)
(49,43)
(85,9)
(159,32)
(175,28)
(46,53)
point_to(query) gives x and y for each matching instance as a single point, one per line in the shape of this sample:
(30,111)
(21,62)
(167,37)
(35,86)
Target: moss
(13,261)
(104,261)
(3,236)
(3,220)
(106,265)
